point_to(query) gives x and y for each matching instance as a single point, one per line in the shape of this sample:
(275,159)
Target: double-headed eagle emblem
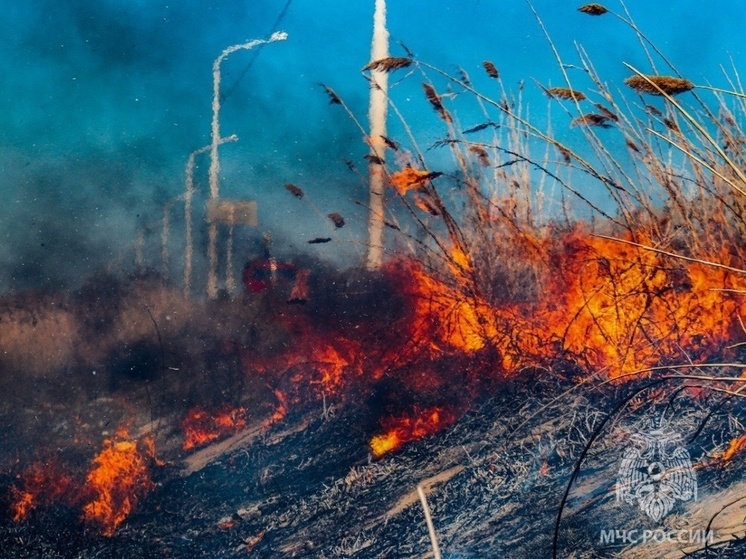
(655,472)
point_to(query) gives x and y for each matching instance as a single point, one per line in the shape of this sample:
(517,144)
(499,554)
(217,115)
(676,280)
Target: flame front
(606,305)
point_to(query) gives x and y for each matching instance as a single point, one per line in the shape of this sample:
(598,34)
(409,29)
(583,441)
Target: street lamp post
(212,280)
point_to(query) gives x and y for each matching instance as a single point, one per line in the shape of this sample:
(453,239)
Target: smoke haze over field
(102,102)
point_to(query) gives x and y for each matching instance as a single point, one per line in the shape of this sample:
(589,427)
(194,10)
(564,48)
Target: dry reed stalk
(429,521)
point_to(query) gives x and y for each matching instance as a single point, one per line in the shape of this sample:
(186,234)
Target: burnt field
(212,434)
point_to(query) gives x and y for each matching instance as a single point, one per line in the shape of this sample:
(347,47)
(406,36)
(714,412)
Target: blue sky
(103,101)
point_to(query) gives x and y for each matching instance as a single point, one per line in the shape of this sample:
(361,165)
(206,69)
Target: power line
(255,53)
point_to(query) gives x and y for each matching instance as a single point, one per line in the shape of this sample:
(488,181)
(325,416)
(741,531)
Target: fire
(280,411)
(409,179)
(41,484)
(201,427)
(606,305)
(402,430)
(735,447)
(119,480)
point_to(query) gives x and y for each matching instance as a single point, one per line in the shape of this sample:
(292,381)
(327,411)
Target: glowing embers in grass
(400,430)
(202,427)
(40,485)
(320,365)
(119,479)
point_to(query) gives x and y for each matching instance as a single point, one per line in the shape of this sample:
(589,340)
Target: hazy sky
(103,100)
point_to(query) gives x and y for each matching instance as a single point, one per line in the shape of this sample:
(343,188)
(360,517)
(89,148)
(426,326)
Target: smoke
(103,102)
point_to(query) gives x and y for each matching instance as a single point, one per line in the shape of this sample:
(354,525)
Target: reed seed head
(388,64)
(565,93)
(436,102)
(592,119)
(491,69)
(593,9)
(294,190)
(658,85)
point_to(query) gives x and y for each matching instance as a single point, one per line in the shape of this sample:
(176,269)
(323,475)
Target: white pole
(212,280)
(189,191)
(377,117)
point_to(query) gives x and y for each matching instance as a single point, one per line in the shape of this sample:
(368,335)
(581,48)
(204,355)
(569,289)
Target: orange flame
(201,427)
(402,430)
(606,305)
(409,179)
(120,478)
(41,484)
(735,447)
(280,411)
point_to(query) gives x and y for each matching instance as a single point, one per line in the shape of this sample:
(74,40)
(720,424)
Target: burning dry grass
(202,427)
(118,480)
(399,431)
(491,291)
(40,485)
(606,305)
